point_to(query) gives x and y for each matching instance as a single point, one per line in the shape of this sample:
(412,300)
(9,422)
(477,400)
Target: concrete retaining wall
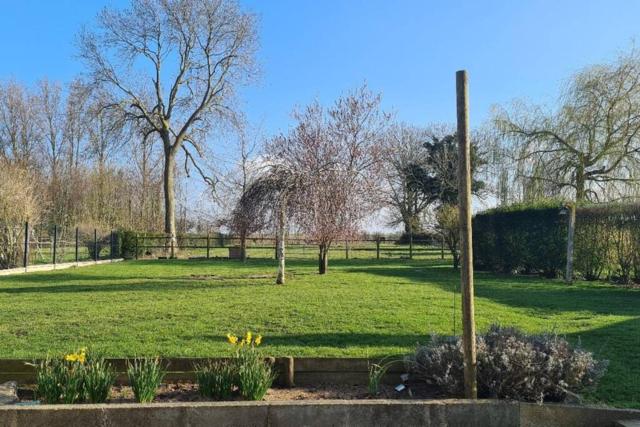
(449,413)
(273,414)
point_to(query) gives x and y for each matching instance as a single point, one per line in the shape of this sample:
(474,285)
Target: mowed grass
(365,308)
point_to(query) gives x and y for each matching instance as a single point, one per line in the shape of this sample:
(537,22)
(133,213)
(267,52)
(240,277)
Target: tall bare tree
(172,65)
(589,146)
(20,132)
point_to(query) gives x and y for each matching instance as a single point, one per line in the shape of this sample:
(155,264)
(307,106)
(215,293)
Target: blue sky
(408,50)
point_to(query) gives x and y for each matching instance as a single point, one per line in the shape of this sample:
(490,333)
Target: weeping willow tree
(588,146)
(268,199)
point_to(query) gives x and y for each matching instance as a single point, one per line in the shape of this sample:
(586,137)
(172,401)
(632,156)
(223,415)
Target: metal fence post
(55,243)
(95,245)
(77,241)
(25,260)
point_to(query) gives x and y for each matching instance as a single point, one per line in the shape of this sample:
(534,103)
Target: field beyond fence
(227,246)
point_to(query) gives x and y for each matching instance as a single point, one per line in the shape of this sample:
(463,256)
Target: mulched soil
(188,392)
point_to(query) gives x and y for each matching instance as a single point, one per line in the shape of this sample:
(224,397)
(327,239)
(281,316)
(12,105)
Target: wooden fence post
(77,241)
(111,242)
(410,241)
(25,255)
(466,238)
(208,243)
(95,245)
(378,248)
(55,244)
(136,255)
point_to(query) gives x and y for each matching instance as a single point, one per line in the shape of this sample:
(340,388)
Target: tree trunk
(170,201)
(323,259)
(281,245)
(580,184)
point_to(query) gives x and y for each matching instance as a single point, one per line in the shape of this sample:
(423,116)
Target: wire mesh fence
(28,245)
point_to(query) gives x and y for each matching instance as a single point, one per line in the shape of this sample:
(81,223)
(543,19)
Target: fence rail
(227,246)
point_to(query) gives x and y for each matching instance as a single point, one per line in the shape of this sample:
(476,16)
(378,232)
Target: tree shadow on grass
(524,291)
(620,344)
(155,286)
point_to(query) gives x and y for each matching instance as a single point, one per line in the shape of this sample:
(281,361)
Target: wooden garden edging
(298,371)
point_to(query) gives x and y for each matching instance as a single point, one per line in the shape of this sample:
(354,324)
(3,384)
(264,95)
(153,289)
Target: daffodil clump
(247,340)
(80,356)
(75,377)
(247,373)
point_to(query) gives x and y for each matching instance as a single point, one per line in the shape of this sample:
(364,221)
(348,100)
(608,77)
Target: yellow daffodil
(232,339)
(80,356)
(247,337)
(258,340)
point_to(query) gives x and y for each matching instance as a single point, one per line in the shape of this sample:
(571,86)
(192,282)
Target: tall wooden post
(571,231)
(378,248)
(466,238)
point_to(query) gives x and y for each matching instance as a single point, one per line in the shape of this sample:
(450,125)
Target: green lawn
(361,308)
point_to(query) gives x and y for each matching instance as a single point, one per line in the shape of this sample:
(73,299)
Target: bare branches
(593,137)
(199,49)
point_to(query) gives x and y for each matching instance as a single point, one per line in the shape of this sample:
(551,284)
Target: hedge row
(533,238)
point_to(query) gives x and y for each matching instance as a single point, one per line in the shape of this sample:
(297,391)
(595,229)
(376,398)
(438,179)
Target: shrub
(18,203)
(126,247)
(216,379)
(99,376)
(145,376)
(511,365)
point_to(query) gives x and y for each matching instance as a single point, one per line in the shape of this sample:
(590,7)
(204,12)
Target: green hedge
(532,239)
(521,239)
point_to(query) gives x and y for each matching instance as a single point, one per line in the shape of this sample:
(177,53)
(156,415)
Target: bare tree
(19,129)
(590,144)
(405,160)
(172,65)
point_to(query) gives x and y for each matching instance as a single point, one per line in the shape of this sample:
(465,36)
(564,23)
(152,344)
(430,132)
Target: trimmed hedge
(521,239)
(532,239)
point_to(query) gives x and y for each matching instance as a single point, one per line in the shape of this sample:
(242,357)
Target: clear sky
(408,50)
